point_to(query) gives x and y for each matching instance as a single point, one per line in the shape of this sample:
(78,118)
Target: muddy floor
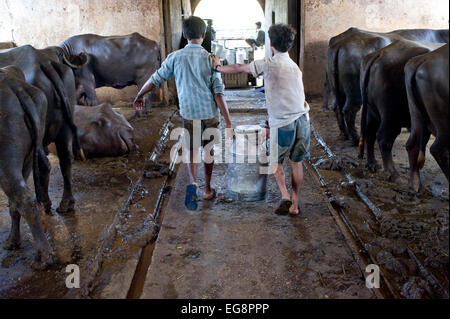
(409,240)
(105,235)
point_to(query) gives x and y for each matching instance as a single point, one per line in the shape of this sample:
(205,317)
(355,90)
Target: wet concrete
(105,234)
(243,250)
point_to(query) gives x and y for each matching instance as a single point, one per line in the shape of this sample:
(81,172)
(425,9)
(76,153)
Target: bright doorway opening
(234,22)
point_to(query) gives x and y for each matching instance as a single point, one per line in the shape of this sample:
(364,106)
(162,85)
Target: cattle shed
(45,23)
(122,218)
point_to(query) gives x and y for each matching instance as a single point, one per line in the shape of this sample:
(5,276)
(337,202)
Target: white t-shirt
(285,94)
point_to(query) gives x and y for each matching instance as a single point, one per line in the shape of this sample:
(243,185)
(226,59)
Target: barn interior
(130,234)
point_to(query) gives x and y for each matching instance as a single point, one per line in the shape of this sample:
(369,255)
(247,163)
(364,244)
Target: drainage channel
(391,288)
(138,281)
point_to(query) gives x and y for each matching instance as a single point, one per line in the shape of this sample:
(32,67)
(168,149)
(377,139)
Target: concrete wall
(327,18)
(48,22)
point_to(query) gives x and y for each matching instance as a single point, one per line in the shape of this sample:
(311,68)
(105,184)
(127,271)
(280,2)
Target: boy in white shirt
(287,110)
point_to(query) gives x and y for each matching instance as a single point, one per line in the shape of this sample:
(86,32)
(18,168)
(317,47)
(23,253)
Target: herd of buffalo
(39,93)
(401,80)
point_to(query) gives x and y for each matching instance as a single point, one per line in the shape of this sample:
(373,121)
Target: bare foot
(294,210)
(209,195)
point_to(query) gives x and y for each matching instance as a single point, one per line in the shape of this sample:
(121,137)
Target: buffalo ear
(85,58)
(77,61)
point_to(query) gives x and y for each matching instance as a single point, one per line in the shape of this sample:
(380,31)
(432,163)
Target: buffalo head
(103,132)
(84,78)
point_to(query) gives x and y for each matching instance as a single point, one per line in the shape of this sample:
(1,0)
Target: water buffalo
(385,103)
(427,84)
(103,132)
(23,111)
(45,70)
(114,61)
(344,61)
(327,87)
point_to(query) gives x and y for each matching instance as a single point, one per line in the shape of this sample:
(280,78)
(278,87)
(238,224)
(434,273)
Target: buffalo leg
(44,174)
(386,137)
(334,104)
(91,97)
(63,146)
(14,241)
(22,202)
(341,122)
(372,127)
(350,112)
(440,152)
(326,93)
(413,148)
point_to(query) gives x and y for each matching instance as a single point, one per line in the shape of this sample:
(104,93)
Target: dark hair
(194,27)
(282,37)
(258,24)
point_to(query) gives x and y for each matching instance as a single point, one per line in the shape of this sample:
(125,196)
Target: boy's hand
(229,132)
(215,60)
(139,103)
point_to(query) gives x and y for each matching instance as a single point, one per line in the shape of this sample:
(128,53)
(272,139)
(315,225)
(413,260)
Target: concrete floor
(243,250)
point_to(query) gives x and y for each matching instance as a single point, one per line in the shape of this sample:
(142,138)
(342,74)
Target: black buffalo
(427,84)
(114,61)
(385,103)
(23,110)
(327,87)
(44,70)
(344,62)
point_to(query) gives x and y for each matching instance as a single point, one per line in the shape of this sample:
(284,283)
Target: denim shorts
(294,140)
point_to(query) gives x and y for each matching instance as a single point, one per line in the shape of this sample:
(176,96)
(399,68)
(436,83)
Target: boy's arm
(222,105)
(139,100)
(231,69)
(237,68)
(162,75)
(234,68)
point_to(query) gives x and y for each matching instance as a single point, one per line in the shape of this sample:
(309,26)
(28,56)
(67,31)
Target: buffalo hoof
(43,261)
(417,188)
(355,142)
(12,244)
(66,206)
(392,177)
(48,207)
(373,167)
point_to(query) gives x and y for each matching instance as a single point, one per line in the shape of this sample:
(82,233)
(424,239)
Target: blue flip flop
(191,197)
